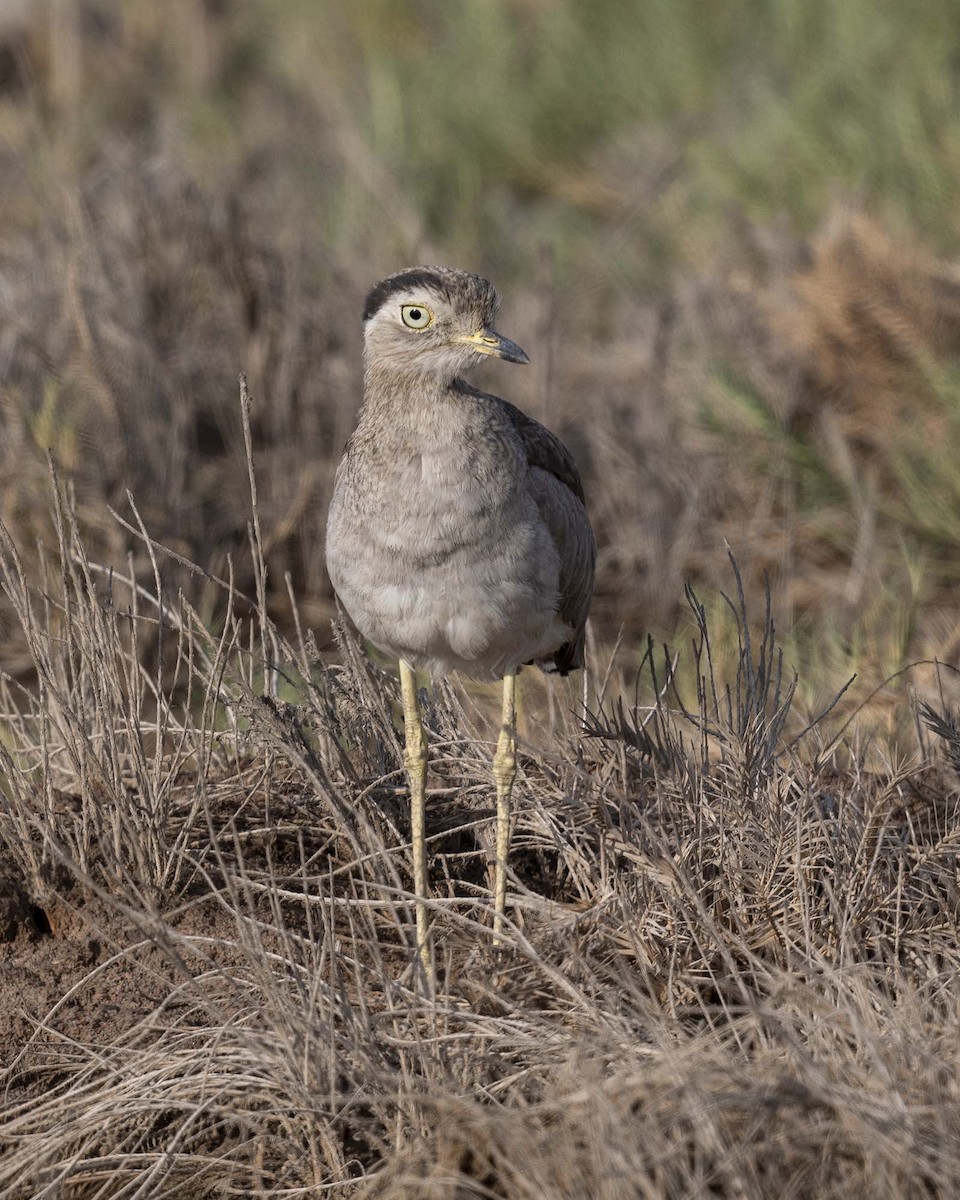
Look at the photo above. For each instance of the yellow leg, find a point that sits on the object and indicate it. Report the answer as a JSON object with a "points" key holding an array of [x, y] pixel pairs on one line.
{"points": [[415, 758], [504, 773]]}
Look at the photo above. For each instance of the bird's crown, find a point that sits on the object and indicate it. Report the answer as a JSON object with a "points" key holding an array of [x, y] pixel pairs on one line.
{"points": [[460, 288]]}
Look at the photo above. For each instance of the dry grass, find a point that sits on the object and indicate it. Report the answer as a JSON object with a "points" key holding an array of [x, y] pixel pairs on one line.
{"points": [[186, 215], [733, 958], [732, 965]]}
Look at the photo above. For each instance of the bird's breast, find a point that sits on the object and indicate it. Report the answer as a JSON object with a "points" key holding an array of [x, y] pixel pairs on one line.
{"points": [[424, 504], [439, 553]]}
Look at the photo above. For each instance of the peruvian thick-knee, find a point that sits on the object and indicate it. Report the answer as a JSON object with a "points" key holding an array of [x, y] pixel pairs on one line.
{"points": [[457, 538]]}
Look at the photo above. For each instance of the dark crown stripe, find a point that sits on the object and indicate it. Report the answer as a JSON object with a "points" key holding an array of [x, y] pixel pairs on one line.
{"points": [[402, 282]]}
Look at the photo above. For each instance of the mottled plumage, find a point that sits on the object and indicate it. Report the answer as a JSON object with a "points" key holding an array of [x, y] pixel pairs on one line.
{"points": [[457, 537]]}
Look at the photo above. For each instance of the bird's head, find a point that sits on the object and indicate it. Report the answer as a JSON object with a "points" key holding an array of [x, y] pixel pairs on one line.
{"points": [[434, 322]]}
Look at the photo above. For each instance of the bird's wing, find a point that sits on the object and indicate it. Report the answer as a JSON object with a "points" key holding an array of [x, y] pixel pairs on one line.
{"points": [[558, 490], [545, 450]]}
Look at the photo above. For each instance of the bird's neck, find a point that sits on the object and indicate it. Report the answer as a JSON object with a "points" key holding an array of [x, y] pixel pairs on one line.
{"points": [[409, 399]]}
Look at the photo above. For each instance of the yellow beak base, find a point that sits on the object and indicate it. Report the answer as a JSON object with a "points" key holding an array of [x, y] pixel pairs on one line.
{"points": [[488, 341]]}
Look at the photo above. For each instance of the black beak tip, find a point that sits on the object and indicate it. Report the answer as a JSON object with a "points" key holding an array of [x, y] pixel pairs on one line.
{"points": [[512, 352]]}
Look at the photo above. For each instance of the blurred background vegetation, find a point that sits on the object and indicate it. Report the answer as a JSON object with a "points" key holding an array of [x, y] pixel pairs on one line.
{"points": [[726, 234]]}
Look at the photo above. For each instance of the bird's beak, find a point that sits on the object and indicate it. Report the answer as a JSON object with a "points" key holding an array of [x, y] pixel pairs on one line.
{"points": [[488, 341]]}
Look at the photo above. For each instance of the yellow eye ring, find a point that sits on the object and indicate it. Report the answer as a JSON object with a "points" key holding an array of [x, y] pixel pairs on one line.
{"points": [[415, 316]]}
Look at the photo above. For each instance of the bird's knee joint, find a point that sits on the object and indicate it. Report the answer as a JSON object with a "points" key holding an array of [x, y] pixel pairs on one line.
{"points": [[504, 768], [415, 755]]}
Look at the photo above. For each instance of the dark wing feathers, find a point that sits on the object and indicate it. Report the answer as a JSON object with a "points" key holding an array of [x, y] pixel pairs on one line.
{"points": [[545, 450], [559, 494]]}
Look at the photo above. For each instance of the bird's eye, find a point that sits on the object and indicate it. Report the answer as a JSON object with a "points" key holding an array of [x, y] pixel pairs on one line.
{"points": [[415, 316]]}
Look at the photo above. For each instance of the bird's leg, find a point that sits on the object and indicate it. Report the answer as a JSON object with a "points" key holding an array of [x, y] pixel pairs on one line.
{"points": [[504, 772], [415, 759]]}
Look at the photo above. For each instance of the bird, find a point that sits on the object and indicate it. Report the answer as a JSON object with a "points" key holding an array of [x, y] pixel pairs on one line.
{"points": [[457, 535]]}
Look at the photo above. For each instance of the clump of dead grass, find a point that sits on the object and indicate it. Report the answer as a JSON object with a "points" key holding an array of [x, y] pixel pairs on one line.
{"points": [[732, 951]]}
